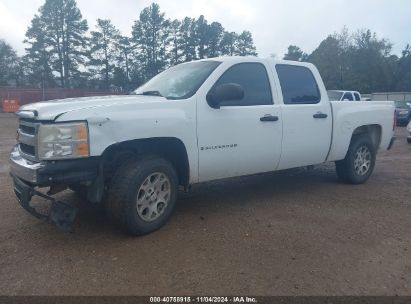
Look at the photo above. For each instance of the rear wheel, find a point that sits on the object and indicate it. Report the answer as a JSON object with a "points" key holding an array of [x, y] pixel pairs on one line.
{"points": [[358, 164], [143, 195]]}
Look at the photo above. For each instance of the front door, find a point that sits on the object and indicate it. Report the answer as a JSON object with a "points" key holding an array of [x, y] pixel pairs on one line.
{"points": [[243, 136]]}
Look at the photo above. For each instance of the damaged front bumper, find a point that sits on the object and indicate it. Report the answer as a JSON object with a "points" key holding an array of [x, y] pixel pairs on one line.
{"points": [[61, 214], [28, 176]]}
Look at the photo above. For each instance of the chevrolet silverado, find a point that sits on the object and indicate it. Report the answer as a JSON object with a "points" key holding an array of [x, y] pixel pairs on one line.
{"points": [[195, 122]]}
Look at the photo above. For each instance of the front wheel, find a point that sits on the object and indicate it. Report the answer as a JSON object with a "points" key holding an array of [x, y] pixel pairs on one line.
{"points": [[143, 195], [358, 164]]}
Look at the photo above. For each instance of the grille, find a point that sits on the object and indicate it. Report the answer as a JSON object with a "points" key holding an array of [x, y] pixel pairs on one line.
{"points": [[27, 139], [26, 149], [28, 130]]}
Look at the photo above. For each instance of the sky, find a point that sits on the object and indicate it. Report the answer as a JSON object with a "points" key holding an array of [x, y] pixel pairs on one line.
{"points": [[275, 24]]}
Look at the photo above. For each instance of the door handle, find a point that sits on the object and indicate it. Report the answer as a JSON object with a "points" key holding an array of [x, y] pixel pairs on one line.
{"points": [[320, 115], [269, 118]]}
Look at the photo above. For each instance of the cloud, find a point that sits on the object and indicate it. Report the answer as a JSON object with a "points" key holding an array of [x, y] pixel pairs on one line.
{"points": [[275, 24], [11, 27]]}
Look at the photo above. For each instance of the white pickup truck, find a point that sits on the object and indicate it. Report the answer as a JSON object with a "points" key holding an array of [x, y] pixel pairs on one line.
{"points": [[334, 95], [193, 123]]}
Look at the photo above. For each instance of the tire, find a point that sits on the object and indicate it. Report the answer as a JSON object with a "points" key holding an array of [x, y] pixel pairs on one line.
{"points": [[79, 190], [142, 195], [359, 163], [409, 140]]}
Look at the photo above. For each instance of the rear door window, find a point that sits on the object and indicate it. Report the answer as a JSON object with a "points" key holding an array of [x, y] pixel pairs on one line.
{"points": [[357, 97], [298, 84]]}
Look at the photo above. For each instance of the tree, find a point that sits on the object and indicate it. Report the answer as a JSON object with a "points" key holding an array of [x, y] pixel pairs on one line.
{"points": [[201, 35], [403, 71], [38, 58], [228, 44], [104, 50], [369, 63], [176, 42], [62, 30], [332, 58], [189, 39], [60, 53], [215, 34], [295, 53], [359, 61], [9, 64], [245, 45], [147, 35], [327, 59], [121, 77]]}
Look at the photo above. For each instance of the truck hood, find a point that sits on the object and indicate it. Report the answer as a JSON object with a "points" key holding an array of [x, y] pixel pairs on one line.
{"points": [[51, 110]]}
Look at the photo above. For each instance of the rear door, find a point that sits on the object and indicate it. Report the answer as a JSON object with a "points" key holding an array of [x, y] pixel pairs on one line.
{"points": [[242, 136], [307, 117]]}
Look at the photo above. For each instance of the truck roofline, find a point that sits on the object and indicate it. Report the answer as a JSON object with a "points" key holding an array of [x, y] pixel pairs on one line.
{"points": [[240, 59]]}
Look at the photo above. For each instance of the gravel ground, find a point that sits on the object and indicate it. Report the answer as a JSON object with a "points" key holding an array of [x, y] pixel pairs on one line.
{"points": [[295, 232]]}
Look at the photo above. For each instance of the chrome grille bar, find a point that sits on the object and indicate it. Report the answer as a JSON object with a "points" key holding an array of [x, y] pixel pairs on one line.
{"points": [[27, 135]]}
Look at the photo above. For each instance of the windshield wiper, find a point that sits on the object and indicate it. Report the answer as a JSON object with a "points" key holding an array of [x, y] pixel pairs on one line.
{"points": [[151, 93]]}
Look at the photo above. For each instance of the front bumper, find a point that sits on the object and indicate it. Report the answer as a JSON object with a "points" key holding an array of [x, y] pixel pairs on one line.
{"points": [[23, 168], [28, 175], [60, 214], [49, 173]]}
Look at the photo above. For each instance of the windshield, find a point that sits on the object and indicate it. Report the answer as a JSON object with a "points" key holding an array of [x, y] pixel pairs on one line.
{"points": [[334, 95], [402, 104], [179, 82]]}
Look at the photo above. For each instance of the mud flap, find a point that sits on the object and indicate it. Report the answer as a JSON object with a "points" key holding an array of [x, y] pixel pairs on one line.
{"points": [[61, 214]]}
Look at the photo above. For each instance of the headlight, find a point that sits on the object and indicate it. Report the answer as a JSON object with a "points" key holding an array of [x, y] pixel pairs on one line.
{"points": [[62, 141], [404, 112]]}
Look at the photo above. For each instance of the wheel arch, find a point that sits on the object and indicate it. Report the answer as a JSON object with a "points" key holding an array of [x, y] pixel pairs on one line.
{"points": [[170, 148], [373, 130], [343, 137]]}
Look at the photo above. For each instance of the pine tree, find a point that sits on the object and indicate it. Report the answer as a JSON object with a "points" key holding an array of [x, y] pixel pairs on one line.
{"points": [[228, 44], [121, 76], [215, 33], [201, 35], [176, 43], [189, 39], [147, 35], [58, 48], [62, 30], [104, 50], [38, 58]]}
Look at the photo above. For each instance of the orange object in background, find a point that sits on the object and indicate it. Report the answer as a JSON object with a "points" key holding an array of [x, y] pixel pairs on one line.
{"points": [[10, 106]]}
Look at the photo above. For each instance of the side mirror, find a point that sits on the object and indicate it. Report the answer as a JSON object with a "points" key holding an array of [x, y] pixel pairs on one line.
{"points": [[224, 92]]}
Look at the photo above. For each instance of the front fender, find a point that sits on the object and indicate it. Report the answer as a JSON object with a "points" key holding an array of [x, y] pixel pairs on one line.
{"points": [[121, 123]]}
